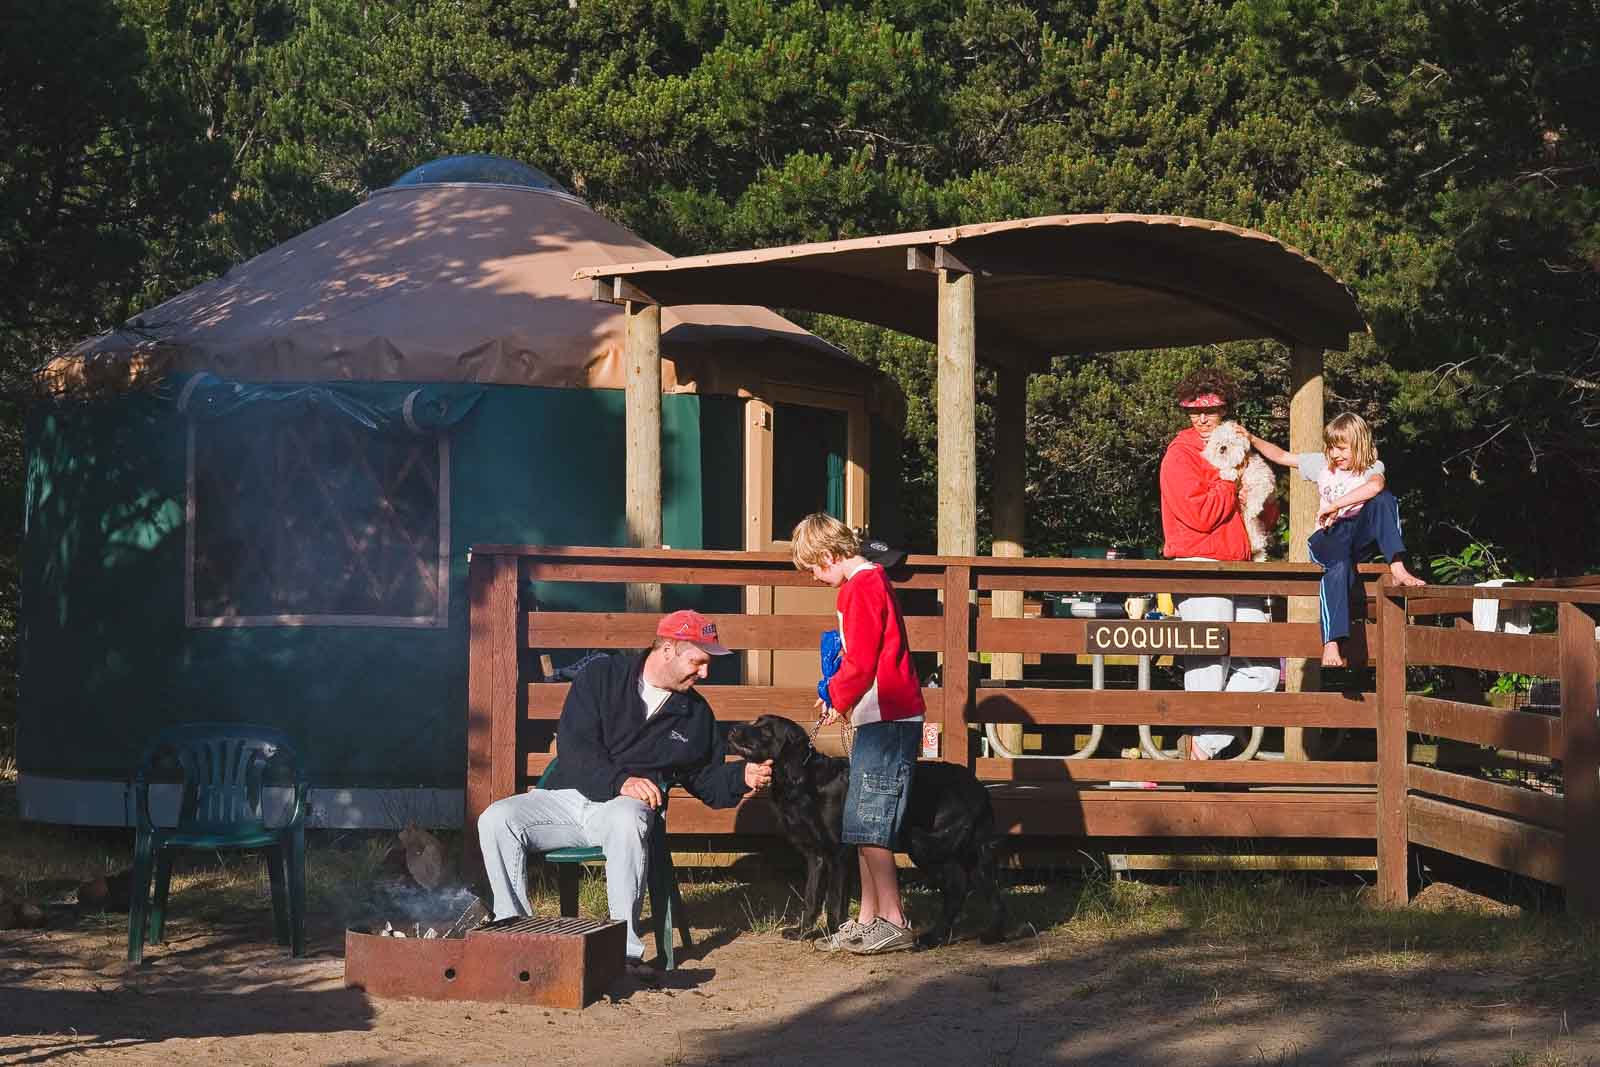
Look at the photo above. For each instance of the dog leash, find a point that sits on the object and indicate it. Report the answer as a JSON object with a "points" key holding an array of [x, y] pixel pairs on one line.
{"points": [[846, 733]]}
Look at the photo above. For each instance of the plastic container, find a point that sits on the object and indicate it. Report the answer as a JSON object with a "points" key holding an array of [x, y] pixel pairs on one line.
{"points": [[1060, 605]]}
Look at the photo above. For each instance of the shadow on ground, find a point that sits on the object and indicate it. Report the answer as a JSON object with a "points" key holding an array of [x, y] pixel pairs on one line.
{"points": [[39, 1024], [1156, 1001]]}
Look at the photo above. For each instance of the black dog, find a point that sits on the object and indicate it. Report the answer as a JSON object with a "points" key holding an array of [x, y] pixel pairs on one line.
{"points": [[948, 830]]}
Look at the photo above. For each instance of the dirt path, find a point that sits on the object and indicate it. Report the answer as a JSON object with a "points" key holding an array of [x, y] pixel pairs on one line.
{"points": [[223, 997]]}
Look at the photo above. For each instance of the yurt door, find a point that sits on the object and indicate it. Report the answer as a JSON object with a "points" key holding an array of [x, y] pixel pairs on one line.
{"points": [[807, 453]]}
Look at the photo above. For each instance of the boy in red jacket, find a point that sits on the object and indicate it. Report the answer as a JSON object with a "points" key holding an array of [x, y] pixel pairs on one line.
{"points": [[879, 689]]}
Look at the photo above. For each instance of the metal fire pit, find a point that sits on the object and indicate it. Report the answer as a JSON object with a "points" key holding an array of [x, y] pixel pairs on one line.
{"points": [[553, 962]]}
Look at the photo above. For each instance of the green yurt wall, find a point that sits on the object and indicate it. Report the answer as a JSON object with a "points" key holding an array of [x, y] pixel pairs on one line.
{"points": [[109, 657]]}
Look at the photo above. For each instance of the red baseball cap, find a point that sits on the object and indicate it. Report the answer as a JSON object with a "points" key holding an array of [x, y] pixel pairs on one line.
{"points": [[691, 626]]}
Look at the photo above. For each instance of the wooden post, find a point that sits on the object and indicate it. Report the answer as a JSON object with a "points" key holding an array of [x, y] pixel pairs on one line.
{"points": [[1393, 754], [958, 489], [1305, 435], [758, 524], [1010, 471], [642, 416], [494, 623], [857, 467], [1580, 765], [958, 426], [957, 691]]}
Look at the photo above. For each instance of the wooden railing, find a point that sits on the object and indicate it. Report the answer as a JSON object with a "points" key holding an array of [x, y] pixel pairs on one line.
{"points": [[512, 712], [1539, 833]]}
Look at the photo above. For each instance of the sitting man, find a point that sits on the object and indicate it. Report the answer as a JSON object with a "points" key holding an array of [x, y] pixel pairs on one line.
{"points": [[630, 728]]}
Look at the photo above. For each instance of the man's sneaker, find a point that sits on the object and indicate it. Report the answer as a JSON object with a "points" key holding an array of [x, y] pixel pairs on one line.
{"points": [[882, 936], [848, 933]]}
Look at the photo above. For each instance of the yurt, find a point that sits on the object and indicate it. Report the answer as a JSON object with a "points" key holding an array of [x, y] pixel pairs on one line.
{"points": [[255, 501]]}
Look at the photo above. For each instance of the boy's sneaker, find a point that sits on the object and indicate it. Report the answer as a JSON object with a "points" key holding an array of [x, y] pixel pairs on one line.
{"points": [[848, 933], [883, 936]]}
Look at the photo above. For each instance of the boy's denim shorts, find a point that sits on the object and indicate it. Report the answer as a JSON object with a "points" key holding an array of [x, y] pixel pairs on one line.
{"points": [[883, 759]]}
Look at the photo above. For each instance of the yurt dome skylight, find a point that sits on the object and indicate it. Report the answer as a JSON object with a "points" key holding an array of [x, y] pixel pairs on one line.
{"points": [[475, 169]]}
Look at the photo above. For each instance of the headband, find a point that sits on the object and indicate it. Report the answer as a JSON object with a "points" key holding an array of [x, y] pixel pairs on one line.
{"points": [[1204, 400]]}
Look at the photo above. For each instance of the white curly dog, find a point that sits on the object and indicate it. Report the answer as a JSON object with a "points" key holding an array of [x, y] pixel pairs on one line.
{"points": [[1228, 450]]}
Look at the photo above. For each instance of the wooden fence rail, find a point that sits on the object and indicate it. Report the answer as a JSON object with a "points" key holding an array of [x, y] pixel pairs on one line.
{"points": [[1538, 833], [1391, 801]]}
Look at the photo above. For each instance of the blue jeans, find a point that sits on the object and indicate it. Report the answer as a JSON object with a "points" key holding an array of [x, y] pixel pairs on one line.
{"points": [[544, 819], [883, 760], [1338, 548]]}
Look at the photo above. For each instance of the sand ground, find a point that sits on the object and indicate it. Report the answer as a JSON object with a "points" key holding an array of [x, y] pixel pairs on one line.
{"points": [[220, 994]]}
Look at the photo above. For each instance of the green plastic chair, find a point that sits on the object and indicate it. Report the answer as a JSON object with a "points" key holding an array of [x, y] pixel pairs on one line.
{"points": [[662, 879], [224, 767]]}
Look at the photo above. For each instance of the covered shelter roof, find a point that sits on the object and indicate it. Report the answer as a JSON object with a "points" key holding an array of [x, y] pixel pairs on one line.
{"points": [[1054, 285], [460, 272], [1018, 293]]}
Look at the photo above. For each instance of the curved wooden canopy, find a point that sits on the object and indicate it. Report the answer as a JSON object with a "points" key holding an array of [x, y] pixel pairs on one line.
{"points": [[1048, 286]]}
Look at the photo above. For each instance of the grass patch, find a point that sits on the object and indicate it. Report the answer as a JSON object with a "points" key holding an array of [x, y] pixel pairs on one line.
{"points": [[1552, 1055], [1335, 924], [1091, 907], [40, 860]]}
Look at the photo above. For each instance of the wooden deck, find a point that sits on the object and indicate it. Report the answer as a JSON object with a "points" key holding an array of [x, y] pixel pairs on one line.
{"points": [[1390, 802]]}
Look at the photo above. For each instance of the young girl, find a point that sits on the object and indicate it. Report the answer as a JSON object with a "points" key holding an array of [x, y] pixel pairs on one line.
{"points": [[1356, 514]]}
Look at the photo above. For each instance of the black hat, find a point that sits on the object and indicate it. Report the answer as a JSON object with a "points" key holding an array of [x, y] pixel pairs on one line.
{"points": [[879, 552]]}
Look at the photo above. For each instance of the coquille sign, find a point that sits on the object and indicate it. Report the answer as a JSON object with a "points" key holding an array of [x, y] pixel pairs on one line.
{"points": [[1159, 637]]}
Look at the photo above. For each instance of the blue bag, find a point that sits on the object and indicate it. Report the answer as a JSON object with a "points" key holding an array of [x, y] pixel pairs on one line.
{"points": [[832, 655]]}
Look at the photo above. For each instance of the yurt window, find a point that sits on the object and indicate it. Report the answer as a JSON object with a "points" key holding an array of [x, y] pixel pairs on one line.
{"points": [[316, 519]]}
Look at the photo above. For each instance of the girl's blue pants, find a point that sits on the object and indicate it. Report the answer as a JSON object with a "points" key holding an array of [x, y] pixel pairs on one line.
{"points": [[1338, 548]]}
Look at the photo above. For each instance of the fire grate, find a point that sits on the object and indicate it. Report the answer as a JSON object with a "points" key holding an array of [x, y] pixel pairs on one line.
{"points": [[544, 924], [546, 960]]}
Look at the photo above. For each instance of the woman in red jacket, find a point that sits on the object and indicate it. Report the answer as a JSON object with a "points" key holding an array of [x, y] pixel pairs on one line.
{"points": [[1201, 520]]}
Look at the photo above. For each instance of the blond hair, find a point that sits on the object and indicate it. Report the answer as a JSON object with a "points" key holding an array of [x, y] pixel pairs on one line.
{"points": [[1352, 430], [819, 536]]}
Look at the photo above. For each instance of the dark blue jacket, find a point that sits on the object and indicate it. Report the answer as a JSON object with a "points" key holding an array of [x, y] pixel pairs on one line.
{"points": [[603, 739]]}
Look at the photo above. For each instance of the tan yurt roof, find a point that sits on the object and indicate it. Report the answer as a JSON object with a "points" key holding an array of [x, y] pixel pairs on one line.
{"points": [[436, 280]]}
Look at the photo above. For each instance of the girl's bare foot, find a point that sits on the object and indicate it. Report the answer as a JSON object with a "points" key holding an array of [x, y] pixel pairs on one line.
{"points": [[1397, 569], [1332, 656]]}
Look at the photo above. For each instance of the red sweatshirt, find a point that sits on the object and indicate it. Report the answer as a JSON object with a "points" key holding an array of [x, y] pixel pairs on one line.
{"points": [[1200, 513], [875, 681]]}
